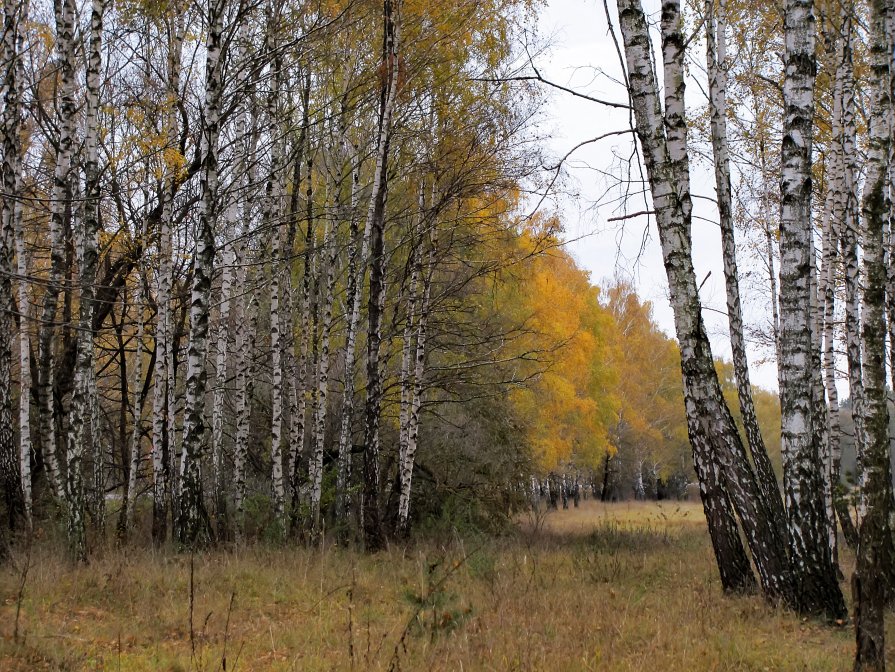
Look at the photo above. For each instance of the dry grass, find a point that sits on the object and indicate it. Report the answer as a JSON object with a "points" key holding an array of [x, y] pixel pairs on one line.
{"points": [[614, 587]]}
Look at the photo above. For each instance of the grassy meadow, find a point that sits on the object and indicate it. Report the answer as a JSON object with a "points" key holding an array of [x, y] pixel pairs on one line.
{"points": [[626, 586]]}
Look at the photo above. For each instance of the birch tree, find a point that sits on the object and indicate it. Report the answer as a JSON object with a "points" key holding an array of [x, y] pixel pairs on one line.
{"points": [[715, 441], [81, 428], [193, 527], [66, 67], [373, 533], [14, 495], [817, 590], [875, 553]]}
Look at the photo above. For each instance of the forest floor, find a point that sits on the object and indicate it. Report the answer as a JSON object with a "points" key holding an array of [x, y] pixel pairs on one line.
{"points": [[604, 587]]}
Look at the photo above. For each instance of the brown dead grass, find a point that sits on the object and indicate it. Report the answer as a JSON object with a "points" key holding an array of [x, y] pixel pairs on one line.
{"points": [[603, 587]]}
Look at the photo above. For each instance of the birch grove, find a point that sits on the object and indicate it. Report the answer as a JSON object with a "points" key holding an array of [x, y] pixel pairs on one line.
{"points": [[216, 207], [291, 272]]}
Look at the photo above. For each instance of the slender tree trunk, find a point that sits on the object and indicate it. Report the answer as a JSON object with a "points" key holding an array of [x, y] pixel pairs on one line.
{"points": [[246, 322], [875, 553], [24, 358], [82, 408], [300, 383], [221, 376], [133, 472], [405, 466], [717, 71], [163, 374], [330, 259], [60, 195], [416, 394], [245, 377], [847, 215], [193, 527], [15, 474], [276, 347], [372, 523], [357, 256]]}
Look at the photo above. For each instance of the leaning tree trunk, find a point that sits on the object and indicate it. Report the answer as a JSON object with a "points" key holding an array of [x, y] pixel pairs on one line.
{"points": [[875, 551], [405, 466], [193, 528], [817, 589], [713, 434], [717, 71]]}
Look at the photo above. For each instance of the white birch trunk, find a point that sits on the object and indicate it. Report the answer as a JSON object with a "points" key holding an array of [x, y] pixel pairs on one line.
{"points": [[60, 195], [356, 263], [276, 347], [876, 553], [719, 455], [245, 377], [81, 407], [406, 374], [817, 589], [408, 456], [221, 373], [193, 528], [372, 524], [137, 406], [24, 359], [331, 252], [163, 373], [272, 222]]}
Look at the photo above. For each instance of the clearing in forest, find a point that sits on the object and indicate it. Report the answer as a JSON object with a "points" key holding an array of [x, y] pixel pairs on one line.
{"points": [[625, 586]]}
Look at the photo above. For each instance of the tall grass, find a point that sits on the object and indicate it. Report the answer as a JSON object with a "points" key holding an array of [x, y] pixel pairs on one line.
{"points": [[603, 587]]}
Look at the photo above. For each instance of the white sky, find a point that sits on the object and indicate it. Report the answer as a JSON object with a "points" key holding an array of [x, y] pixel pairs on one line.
{"points": [[581, 45]]}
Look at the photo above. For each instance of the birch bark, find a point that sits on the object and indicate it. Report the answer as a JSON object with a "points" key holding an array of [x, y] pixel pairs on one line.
{"points": [[193, 528], [357, 255], [330, 259], [408, 456], [81, 406], [11, 472], [221, 377], [130, 499], [724, 472], [163, 373], [875, 554], [817, 589], [60, 195], [834, 243], [372, 523]]}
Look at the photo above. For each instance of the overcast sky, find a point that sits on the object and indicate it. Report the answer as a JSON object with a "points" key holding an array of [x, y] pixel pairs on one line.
{"points": [[583, 57]]}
